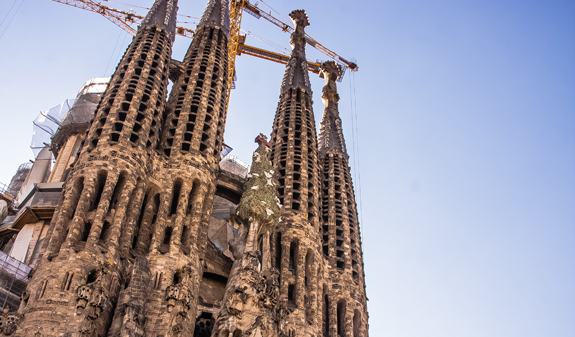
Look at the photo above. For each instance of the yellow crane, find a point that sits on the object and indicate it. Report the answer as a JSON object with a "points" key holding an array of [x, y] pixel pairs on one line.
{"points": [[236, 44]]}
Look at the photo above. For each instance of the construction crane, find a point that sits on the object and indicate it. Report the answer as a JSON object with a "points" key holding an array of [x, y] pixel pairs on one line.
{"points": [[256, 12], [236, 43]]}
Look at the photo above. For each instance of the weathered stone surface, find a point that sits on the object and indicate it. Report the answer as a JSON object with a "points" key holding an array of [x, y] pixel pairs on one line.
{"points": [[133, 249], [344, 296], [251, 298]]}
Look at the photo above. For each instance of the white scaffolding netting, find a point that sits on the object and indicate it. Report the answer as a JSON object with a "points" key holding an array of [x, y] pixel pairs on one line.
{"points": [[234, 165], [46, 125]]}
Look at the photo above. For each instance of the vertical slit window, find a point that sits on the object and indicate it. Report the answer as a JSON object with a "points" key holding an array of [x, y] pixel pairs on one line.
{"points": [[101, 182], [175, 196], [279, 251]]}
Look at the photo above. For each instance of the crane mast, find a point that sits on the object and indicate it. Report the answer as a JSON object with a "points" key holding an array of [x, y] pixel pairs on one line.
{"points": [[236, 9]]}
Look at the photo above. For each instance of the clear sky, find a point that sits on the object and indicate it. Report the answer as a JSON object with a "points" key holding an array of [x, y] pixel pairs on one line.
{"points": [[465, 138]]}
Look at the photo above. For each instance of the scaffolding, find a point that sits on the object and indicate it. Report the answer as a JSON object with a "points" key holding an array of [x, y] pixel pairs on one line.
{"points": [[47, 123], [3, 187], [14, 277], [18, 179], [234, 165]]}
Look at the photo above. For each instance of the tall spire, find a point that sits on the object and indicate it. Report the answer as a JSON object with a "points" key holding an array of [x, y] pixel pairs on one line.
{"points": [[162, 15], [340, 232], [293, 140], [101, 206], [197, 104], [216, 14], [296, 73], [296, 239], [330, 132]]}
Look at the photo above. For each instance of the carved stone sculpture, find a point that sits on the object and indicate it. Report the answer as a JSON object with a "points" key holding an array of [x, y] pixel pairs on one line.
{"points": [[9, 322], [179, 292], [269, 288], [84, 294]]}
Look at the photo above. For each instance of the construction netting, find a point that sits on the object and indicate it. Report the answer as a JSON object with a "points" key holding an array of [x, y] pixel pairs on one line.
{"points": [[19, 178], [46, 125], [234, 165], [71, 111]]}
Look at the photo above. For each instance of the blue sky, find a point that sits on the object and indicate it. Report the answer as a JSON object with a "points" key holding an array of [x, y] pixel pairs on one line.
{"points": [[465, 137]]}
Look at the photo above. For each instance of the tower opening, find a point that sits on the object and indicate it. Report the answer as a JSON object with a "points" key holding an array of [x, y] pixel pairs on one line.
{"points": [[341, 318], [279, 251], [176, 196], [100, 183], [167, 235]]}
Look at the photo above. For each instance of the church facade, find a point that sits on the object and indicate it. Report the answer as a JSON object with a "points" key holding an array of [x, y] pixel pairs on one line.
{"points": [[137, 244]]}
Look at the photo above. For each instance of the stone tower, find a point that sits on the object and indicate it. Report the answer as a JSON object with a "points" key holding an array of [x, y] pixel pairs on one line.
{"points": [[294, 156], [128, 236], [180, 191], [86, 262], [344, 302]]}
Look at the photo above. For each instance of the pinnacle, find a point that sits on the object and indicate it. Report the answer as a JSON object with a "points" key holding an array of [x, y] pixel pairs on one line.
{"points": [[296, 75], [330, 132], [330, 69], [162, 15], [216, 14], [299, 18], [259, 201]]}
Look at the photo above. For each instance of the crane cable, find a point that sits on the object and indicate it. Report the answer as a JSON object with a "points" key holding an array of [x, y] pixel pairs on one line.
{"points": [[272, 44], [113, 52], [9, 22], [146, 8], [266, 41], [125, 4], [120, 48], [355, 149], [280, 14], [14, 3]]}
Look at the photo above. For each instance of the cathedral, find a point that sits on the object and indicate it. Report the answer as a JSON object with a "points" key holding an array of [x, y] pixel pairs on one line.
{"points": [[152, 236]]}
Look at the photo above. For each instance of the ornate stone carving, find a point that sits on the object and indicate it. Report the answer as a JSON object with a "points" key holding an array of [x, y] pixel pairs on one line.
{"points": [[134, 314], [236, 301], [97, 303], [9, 322], [262, 327], [179, 292], [176, 294], [268, 288], [84, 293], [172, 296], [281, 312], [94, 296], [186, 299]]}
